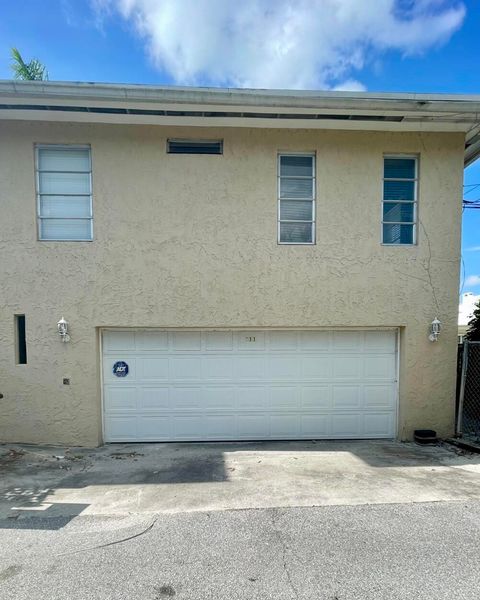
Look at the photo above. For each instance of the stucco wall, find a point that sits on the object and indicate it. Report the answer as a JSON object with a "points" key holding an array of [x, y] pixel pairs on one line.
{"points": [[192, 241]]}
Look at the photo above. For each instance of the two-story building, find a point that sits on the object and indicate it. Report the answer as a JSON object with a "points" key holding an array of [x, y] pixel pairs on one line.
{"points": [[215, 264]]}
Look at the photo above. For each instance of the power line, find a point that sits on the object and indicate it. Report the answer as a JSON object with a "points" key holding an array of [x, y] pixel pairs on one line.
{"points": [[467, 203], [471, 188], [468, 188]]}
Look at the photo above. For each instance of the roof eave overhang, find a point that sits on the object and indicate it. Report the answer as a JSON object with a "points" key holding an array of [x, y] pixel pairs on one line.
{"points": [[208, 107]]}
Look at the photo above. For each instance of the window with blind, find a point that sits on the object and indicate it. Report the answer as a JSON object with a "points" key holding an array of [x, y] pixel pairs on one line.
{"points": [[64, 193], [296, 199], [400, 181]]}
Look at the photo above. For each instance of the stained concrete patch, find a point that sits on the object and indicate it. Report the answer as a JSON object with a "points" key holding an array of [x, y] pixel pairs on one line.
{"points": [[9, 572], [165, 591], [173, 478]]}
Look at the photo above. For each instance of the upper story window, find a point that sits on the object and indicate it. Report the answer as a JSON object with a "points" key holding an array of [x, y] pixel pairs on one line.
{"points": [[64, 193], [296, 199], [400, 182]]}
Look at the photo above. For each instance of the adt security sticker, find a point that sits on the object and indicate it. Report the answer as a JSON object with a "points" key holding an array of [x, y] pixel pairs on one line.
{"points": [[120, 369]]}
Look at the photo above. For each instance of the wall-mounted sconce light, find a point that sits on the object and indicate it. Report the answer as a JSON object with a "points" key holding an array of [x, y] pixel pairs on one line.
{"points": [[62, 327], [435, 328]]}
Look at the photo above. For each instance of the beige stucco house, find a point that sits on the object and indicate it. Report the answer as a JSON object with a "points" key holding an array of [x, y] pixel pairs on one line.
{"points": [[228, 264]]}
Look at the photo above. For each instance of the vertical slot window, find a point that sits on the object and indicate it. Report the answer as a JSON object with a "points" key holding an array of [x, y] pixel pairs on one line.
{"points": [[20, 340]]}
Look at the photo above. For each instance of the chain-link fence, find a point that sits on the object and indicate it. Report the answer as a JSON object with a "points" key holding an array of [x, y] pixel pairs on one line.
{"points": [[468, 390]]}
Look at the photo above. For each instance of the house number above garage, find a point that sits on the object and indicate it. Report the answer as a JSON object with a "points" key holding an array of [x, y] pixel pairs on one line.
{"points": [[120, 369]]}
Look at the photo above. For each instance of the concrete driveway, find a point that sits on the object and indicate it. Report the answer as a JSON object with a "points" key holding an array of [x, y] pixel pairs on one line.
{"points": [[145, 479], [318, 521]]}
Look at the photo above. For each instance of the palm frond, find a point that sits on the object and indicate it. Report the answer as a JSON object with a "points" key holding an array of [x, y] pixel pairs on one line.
{"points": [[32, 71]]}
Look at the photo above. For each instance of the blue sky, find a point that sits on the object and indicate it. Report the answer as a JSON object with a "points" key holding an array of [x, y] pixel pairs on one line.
{"points": [[386, 45]]}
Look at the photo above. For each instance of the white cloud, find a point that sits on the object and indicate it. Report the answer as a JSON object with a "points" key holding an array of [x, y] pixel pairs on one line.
{"points": [[282, 43], [350, 85], [473, 249], [472, 280], [468, 302]]}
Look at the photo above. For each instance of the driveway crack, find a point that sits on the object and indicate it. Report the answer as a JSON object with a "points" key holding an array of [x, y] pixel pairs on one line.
{"points": [[278, 535], [121, 541]]}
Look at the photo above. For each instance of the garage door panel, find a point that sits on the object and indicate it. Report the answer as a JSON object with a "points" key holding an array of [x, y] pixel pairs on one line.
{"points": [[118, 340], [118, 398], [285, 426], [282, 397], [347, 425], [249, 384], [154, 398], [315, 340], [153, 427], [185, 368], [186, 398], [251, 341], [251, 397], [182, 341], [188, 427], [152, 341], [376, 424], [318, 397], [348, 340], [122, 428], [219, 340], [379, 366], [346, 396], [153, 368], [220, 426], [282, 340], [252, 425], [347, 366], [218, 398], [217, 368], [284, 367], [315, 425], [317, 367], [380, 341], [251, 367]]}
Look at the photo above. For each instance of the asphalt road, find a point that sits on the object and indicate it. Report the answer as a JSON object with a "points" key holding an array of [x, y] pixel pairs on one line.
{"points": [[391, 551]]}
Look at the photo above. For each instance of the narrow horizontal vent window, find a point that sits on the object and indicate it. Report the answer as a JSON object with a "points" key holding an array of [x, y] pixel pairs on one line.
{"points": [[194, 147]]}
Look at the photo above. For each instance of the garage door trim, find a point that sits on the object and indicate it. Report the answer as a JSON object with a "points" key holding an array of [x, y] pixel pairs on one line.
{"points": [[393, 329]]}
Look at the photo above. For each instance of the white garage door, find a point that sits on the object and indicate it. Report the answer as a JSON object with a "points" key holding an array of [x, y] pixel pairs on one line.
{"points": [[248, 385]]}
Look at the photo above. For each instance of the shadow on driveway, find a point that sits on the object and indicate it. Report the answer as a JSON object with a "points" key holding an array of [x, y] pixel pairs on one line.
{"points": [[168, 478]]}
